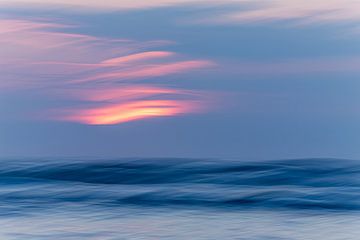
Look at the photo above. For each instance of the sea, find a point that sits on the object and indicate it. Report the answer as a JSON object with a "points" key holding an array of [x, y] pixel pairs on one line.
{"points": [[163, 198]]}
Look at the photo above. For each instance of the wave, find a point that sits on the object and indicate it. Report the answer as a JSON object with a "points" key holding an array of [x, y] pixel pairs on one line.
{"points": [[303, 184]]}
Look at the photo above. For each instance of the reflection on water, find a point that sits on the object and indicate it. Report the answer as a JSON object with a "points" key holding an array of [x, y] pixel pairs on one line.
{"points": [[179, 199]]}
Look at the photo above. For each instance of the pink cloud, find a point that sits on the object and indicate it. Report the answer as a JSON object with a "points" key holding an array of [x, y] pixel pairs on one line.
{"points": [[148, 71], [40, 57], [136, 57], [127, 93], [303, 11]]}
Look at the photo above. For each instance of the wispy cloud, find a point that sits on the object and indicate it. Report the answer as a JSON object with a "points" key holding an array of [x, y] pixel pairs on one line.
{"points": [[320, 11], [301, 11], [136, 57], [146, 71], [105, 5], [96, 73]]}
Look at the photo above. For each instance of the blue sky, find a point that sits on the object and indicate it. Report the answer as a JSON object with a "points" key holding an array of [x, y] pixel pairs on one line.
{"points": [[242, 79]]}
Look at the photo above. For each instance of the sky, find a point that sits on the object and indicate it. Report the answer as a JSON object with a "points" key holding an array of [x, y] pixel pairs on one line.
{"points": [[240, 79]]}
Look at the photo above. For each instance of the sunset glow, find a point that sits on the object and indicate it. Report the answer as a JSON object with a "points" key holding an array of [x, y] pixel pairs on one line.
{"points": [[120, 113]]}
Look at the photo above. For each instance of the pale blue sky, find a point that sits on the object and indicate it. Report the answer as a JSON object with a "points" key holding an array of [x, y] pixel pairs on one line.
{"points": [[278, 89]]}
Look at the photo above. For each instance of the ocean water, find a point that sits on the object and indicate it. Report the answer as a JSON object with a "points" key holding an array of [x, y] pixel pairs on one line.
{"points": [[179, 199]]}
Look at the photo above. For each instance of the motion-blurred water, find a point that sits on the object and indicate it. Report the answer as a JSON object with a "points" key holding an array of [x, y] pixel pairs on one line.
{"points": [[179, 199]]}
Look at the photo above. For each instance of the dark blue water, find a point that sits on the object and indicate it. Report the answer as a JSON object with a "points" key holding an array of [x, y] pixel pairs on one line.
{"points": [[121, 199]]}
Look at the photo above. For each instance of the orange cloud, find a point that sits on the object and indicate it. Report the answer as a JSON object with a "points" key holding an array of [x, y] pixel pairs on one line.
{"points": [[125, 112]]}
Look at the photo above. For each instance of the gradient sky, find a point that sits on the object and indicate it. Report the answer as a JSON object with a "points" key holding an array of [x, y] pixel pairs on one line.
{"points": [[245, 79]]}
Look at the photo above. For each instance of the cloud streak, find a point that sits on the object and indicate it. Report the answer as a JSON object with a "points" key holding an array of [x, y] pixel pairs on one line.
{"points": [[96, 75], [125, 112], [147, 71], [320, 11], [136, 57]]}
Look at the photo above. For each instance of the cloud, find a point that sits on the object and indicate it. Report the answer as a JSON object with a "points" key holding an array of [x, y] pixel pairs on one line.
{"points": [[146, 71], [108, 5], [97, 75], [241, 11], [320, 11], [125, 93], [125, 112], [136, 57]]}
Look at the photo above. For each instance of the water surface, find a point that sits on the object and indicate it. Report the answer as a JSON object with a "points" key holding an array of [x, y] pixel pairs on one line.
{"points": [[179, 199]]}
